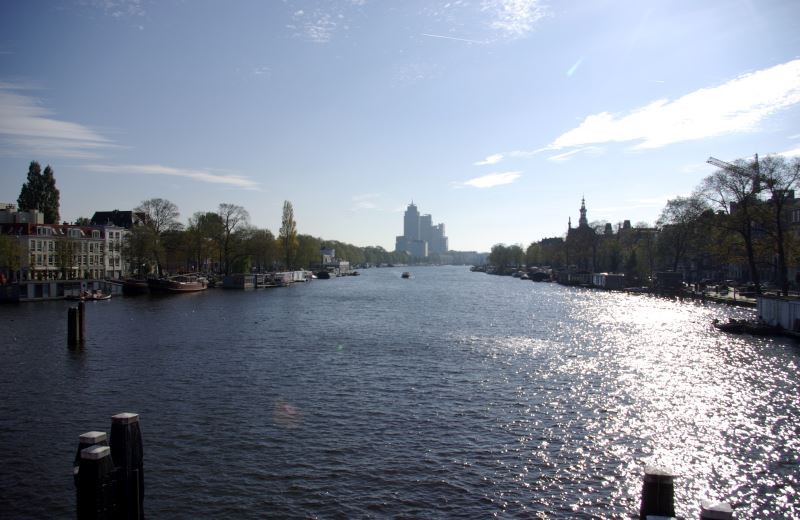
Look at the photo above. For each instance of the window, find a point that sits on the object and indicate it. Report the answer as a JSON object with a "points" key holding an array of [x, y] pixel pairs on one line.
{"points": [[795, 216]]}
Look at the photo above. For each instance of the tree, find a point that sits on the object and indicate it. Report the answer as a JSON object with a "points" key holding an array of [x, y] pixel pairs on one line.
{"points": [[203, 237], [500, 257], [83, 221], [780, 179], [287, 237], [40, 193], [734, 191], [308, 251], [262, 247], [11, 254], [66, 256], [160, 216], [678, 224], [232, 218], [137, 250]]}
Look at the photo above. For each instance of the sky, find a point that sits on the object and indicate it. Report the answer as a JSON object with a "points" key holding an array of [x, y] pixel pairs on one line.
{"points": [[494, 116]]}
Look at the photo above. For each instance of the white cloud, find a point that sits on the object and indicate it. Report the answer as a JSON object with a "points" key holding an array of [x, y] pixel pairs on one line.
{"points": [[568, 155], [791, 153], [493, 179], [157, 169], [528, 153], [736, 106], [28, 128], [492, 159], [318, 26], [514, 18], [364, 201], [118, 8]]}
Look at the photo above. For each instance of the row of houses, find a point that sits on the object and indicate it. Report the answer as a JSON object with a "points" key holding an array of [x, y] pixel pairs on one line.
{"points": [[39, 251]]}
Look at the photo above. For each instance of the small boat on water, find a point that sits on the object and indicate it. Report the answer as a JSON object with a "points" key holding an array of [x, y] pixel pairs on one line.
{"points": [[405, 274], [178, 284], [89, 296], [132, 286], [734, 326]]}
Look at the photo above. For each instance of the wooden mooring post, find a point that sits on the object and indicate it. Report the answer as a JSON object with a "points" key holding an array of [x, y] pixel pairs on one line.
{"points": [[126, 450], [658, 493], [110, 473], [658, 498], [96, 485], [715, 510], [76, 324]]}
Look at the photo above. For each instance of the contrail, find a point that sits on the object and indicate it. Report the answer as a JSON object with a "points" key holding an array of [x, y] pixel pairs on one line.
{"points": [[451, 38]]}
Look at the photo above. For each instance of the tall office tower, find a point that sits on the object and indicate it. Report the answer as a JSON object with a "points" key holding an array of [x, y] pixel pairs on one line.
{"points": [[411, 223], [438, 240], [426, 229]]}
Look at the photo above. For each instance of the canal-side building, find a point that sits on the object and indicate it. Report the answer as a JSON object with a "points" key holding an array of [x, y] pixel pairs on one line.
{"points": [[40, 251]]}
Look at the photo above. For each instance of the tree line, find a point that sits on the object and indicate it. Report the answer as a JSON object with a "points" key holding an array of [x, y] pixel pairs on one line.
{"points": [[740, 215], [225, 242]]}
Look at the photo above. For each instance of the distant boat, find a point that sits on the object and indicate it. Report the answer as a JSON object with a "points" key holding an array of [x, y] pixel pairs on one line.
{"points": [[87, 296], [405, 274], [323, 275], [131, 286], [178, 284]]}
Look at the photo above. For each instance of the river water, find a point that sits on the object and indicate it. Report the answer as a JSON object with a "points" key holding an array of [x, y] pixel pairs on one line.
{"points": [[452, 394]]}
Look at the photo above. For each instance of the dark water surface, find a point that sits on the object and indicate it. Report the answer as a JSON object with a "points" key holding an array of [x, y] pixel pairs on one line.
{"points": [[453, 394]]}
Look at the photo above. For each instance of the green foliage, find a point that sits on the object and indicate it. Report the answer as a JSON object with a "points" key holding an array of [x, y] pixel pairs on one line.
{"points": [[308, 251], [287, 236], [39, 192], [10, 255]]}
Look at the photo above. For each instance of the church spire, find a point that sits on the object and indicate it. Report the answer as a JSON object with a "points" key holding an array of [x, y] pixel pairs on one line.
{"points": [[583, 222]]}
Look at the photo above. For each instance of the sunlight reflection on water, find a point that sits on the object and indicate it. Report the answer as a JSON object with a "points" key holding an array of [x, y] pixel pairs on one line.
{"points": [[452, 394]]}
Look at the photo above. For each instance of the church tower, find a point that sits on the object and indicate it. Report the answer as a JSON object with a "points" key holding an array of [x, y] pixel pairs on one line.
{"points": [[583, 222]]}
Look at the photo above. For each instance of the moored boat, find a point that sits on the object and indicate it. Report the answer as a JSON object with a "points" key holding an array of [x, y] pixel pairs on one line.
{"points": [[178, 284], [131, 286], [88, 296]]}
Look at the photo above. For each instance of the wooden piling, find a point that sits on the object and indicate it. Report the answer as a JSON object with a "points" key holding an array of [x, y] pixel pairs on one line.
{"points": [[73, 327], [82, 321], [96, 484], [715, 510], [127, 452], [87, 440], [658, 493]]}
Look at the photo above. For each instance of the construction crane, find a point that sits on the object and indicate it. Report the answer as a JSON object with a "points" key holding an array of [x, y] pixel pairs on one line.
{"points": [[755, 172]]}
